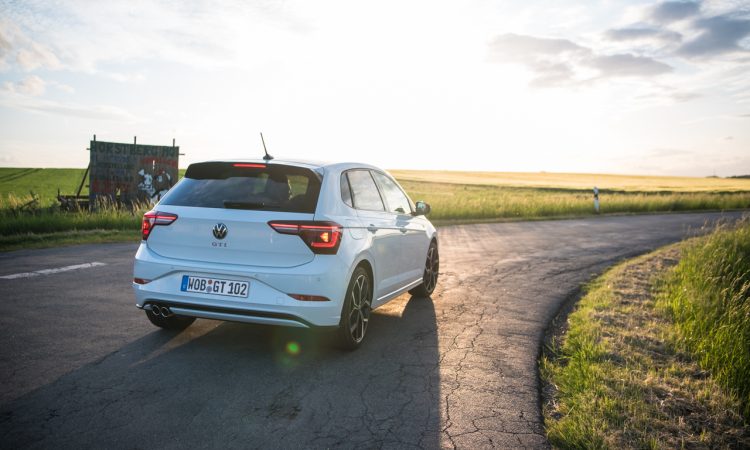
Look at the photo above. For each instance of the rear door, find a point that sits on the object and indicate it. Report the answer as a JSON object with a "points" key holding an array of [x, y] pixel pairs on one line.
{"points": [[371, 211], [223, 212]]}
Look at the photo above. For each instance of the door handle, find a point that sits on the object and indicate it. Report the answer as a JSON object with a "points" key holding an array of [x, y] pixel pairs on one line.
{"points": [[372, 228]]}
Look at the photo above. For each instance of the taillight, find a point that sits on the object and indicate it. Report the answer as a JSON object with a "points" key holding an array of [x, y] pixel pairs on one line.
{"points": [[154, 218], [249, 165], [323, 238]]}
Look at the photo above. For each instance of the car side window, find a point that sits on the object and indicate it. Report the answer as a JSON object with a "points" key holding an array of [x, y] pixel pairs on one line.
{"points": [[346, 192], [394, 196], [364, 193]]}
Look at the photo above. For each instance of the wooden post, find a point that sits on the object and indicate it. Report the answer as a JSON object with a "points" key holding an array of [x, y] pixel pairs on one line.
{"points": [[83, 180]]}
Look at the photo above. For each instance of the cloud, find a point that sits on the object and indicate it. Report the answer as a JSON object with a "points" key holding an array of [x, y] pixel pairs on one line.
{"points": [[31, 85], [643, 34], [5, 46], [34, 56], [626, 65], [658, 94], [718, 35], [563, 62], [87, 36], [21, 96], [681, 97], [16, 47], [62, 86], [99, 112], [519, 46], [667, 12]]}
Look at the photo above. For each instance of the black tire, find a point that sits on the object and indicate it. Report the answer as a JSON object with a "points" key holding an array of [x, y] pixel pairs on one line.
{"points": [[431, 270], [171, 322], [355, 314]]}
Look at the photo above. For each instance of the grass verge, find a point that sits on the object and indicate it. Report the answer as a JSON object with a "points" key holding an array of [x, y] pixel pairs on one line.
{"points": [[707, 297], [622, 377], [64, 238], [50, 227]]}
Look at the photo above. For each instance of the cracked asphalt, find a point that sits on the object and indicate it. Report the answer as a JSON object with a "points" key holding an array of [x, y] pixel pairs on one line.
{"points": [[81, 367]]}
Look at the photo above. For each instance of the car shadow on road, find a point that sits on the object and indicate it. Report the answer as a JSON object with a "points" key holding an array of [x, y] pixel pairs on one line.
{"points": [[241, 385]]}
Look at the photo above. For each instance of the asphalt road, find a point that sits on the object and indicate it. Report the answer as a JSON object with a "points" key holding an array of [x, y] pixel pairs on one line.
{"points": [[81, 367]]}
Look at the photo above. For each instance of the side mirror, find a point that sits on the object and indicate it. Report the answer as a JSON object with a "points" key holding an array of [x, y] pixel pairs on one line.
{"points": [[422, 208]]}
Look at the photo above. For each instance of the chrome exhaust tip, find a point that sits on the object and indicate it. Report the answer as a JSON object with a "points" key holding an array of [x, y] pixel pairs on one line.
{"points": [[156, 310], [165, 312]]}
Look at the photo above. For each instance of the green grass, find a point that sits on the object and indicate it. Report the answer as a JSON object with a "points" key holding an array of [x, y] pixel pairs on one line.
{"points": [[48, 226], [623, 376], [708, 297], [455, 197], [52, 221], [43, 182]]}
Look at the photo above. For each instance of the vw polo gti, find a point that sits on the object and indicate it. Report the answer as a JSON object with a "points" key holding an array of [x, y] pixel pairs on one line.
{"points": [[283, 243]]}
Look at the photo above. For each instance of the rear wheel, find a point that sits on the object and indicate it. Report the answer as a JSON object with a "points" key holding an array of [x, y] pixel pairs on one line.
{"points": [[430, 277], [170, 322], [355, 315]]}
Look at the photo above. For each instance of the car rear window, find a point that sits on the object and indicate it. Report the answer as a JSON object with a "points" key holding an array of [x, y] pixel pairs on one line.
{"points": [[263, 187]]}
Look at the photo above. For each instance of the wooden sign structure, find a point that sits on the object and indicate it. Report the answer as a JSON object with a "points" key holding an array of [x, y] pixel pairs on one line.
{"points": [[129, 173]]}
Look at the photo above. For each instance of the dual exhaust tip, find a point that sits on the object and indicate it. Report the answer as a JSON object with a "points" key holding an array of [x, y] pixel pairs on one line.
{"points": [[162, 311]]}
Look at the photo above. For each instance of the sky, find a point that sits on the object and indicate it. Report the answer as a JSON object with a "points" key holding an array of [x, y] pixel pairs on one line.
{"points": [[629, 87]]}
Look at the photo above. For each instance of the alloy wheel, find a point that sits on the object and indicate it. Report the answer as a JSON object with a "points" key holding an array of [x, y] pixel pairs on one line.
{"points": [[361, 303], [431, 270]]}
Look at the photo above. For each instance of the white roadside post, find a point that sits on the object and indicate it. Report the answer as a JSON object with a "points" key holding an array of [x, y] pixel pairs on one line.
{"points": [[596, 199]]}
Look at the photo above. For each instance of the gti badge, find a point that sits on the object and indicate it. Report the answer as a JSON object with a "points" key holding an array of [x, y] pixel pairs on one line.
{"points": [[220, 231]]}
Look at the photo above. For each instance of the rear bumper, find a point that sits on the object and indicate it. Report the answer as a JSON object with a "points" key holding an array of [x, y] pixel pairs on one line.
{"points": [[268, 301], [203, 311]]}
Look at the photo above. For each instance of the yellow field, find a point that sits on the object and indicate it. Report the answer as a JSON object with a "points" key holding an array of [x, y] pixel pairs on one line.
{"points": [[578, 181]]}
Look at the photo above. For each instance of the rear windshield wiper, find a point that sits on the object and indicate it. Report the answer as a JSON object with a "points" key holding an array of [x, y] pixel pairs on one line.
{"points": [[249, 205]]}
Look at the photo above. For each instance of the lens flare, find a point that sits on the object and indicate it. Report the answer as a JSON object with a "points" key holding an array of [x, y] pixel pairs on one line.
{"points": [[292, 348]]}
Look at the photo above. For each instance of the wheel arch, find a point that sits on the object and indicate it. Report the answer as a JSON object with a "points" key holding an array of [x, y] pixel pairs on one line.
{"points": [[367, 265]]}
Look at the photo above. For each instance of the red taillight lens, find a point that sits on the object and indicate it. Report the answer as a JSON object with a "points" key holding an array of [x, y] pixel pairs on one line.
{"points": [[141, 281], [154, 218], [250, 165], [309, 298], [323, 238]]}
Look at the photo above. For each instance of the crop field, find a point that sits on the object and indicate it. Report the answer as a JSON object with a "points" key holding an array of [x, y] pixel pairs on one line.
{"points": [[453, 203], [455, 197], [577, 181]]}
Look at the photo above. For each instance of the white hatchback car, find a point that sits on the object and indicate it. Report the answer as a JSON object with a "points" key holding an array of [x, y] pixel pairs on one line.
{"points": [[283, 243]]}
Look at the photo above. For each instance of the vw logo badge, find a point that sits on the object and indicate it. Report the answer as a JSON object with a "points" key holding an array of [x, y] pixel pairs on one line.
{"points": [[220, 231]]}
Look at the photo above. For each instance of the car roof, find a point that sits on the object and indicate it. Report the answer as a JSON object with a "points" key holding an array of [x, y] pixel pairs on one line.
{"points": [[300, 163]]}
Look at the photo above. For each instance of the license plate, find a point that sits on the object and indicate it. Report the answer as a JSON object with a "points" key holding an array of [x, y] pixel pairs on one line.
{"points": [[215, 286]]}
